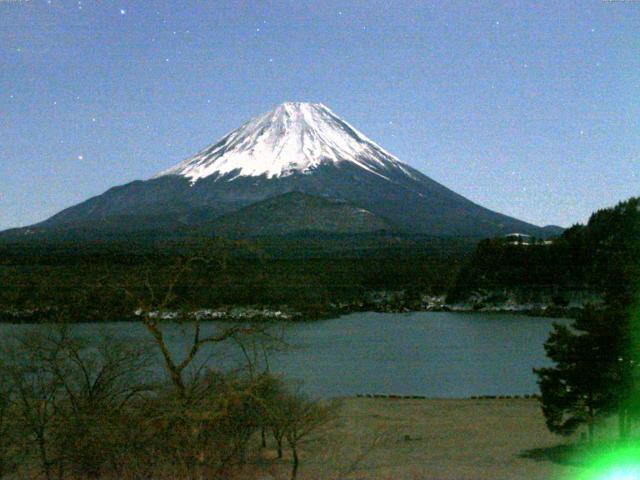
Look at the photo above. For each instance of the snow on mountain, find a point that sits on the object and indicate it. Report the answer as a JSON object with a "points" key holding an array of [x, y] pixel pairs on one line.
{"points": [[297, 147], [293, 137]]}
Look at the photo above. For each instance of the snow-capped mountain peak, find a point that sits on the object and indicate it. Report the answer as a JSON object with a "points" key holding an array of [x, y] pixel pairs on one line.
{"points": [[297, 168], [294, 137]]}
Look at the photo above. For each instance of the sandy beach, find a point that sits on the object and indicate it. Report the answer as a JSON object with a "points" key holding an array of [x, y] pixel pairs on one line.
{"points": [[435, 439]]}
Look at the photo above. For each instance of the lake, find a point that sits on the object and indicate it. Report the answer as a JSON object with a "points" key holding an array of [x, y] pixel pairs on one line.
{"points": [[447, 355]]}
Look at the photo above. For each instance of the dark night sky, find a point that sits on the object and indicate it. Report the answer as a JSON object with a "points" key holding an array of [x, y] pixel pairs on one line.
{"points": [[528, 108]]}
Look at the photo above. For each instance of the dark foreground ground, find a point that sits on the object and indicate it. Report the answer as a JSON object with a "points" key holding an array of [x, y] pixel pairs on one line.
{"points": [[435, 439]]}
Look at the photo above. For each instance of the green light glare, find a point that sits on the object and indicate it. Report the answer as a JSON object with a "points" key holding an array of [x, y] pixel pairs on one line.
{"points": [[621, 463]]}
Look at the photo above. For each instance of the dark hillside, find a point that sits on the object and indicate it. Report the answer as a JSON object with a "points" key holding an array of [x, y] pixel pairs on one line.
{"points": [[583, 258]]}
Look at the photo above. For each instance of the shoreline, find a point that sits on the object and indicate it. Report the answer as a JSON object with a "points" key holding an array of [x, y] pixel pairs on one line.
{"points": [[382, 396], [258, 314]]}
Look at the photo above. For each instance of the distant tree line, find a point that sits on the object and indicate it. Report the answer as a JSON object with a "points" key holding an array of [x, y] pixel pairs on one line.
{"points": [[583, 257], [307, 274]]}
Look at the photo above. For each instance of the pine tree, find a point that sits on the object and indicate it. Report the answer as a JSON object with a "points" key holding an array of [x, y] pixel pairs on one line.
{"points": [[596, 358]]}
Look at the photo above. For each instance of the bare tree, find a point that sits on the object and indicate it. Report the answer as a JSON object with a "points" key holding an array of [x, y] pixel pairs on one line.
{"points": [[69, 395], [35, 394], [301, 418], [8, 434], [160, 303], [256, 349]]}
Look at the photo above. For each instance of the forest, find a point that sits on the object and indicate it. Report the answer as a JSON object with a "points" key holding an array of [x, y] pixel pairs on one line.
{"points": [[583, 258], [304, 274], [309, 275]]}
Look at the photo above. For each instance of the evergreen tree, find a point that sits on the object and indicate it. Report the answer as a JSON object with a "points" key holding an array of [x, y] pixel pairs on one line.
{"points": [[577, 389], [597, 358]]}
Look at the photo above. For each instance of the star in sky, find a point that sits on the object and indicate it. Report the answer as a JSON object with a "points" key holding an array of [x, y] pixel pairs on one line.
{"points": [[508, 57]]}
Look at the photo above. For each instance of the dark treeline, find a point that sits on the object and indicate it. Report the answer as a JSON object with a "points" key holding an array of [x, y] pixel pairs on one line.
{"points": [[584, 257], [304, 273], [308, 274]]}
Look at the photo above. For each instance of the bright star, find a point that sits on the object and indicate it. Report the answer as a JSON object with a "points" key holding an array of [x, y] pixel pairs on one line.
{"points": [[80, 157], [122, 11]]}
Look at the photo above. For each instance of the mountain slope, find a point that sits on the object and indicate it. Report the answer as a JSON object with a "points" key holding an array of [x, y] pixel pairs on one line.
{"points": [[295, 212], [297, 147]]}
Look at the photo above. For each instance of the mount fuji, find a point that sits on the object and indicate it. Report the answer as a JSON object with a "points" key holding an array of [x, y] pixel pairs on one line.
{"points": [[298, 167]]}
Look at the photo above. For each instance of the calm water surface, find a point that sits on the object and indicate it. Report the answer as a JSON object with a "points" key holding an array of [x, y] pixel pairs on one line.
{"points": [[423, 353]]}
